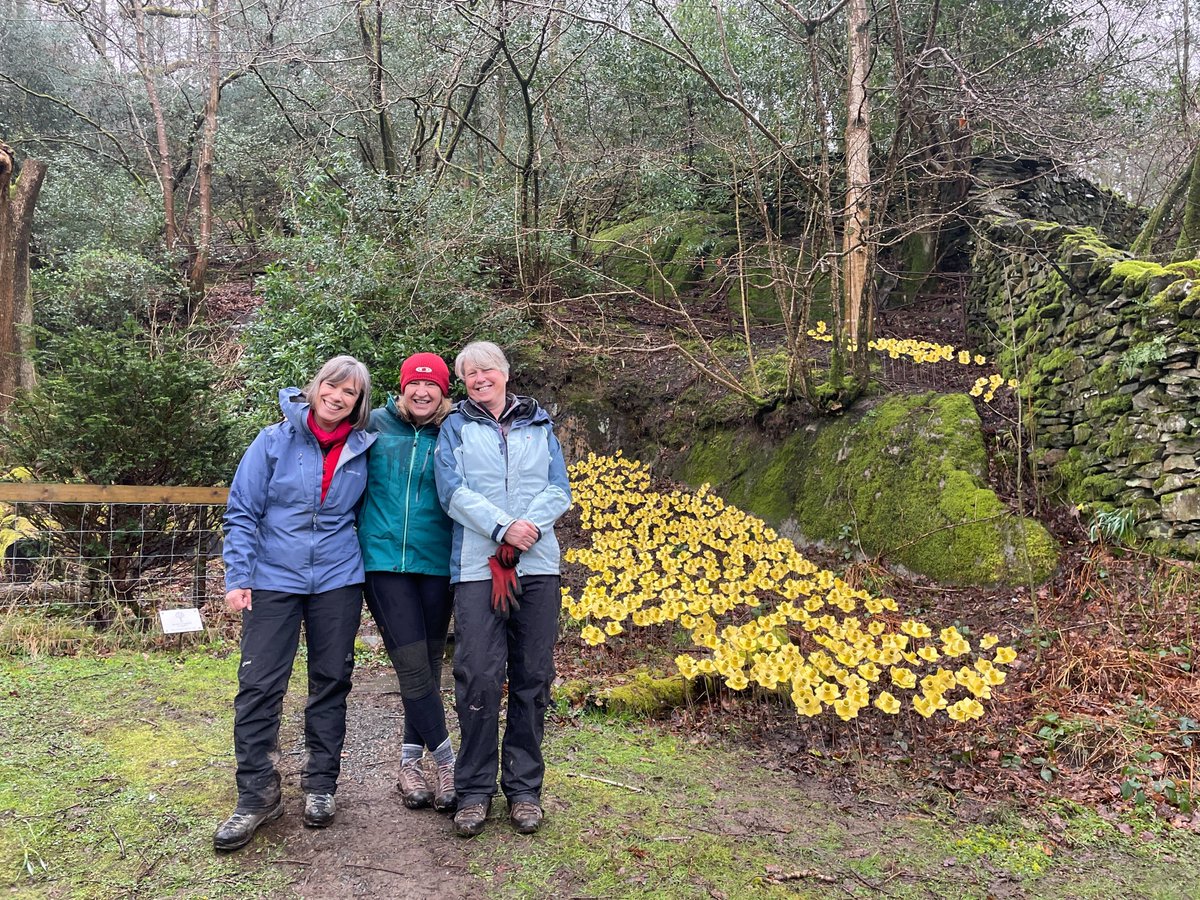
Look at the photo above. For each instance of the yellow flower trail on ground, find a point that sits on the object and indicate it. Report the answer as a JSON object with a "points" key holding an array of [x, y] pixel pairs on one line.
{"points": [[919, 351], [756, 611]]}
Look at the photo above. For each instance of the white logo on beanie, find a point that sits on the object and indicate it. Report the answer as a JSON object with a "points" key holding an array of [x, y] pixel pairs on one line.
{"points": [[425, 370]]}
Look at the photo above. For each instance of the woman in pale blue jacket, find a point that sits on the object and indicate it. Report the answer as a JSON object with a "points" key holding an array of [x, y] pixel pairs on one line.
{"points": [[291, 555], [502, 479]]}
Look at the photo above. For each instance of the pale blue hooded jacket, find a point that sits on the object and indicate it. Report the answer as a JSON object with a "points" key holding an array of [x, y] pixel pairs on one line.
{"points": [[489, 474], [279, 536]]}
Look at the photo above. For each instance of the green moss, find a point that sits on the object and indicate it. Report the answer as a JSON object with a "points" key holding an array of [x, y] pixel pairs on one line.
{"points": [[1120, 438], [644, 695], [906, 477], [1132, 275], [663, 254]]}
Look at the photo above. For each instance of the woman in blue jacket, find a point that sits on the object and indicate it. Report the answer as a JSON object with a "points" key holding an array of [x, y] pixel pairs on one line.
{"points": [[405, 540], [502, 479], [291, 556]]}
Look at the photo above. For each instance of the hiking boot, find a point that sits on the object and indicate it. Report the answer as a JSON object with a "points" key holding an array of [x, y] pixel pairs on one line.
{"points": [[236, 831], [414, 786], [526, 817], [318, 810], [445, 799], [469, 820]]}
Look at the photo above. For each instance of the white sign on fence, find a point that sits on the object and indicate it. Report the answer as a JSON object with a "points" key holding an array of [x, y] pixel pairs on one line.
{"points": [[176, 621]]}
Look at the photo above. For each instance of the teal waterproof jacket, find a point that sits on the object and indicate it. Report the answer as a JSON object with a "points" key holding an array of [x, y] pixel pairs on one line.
{"points": [[401, 526]]}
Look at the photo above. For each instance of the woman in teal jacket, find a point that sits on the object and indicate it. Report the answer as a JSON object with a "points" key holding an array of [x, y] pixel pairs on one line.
{"points": [[405, 538]]}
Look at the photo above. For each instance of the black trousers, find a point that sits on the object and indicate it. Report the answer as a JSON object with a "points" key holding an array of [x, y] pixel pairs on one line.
{"points": [[413, 615], [487, 651], [270, 637]]}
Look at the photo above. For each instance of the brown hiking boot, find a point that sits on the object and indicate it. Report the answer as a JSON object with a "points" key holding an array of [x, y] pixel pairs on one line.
{"points": [[413, 786], [444, 797], [526, 817], [469, 820]]}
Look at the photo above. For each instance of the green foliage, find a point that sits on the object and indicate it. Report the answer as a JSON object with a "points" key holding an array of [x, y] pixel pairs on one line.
{"points": [[348, 280], [101, 289], [123, 407], [1140, 355], [84, 205]]}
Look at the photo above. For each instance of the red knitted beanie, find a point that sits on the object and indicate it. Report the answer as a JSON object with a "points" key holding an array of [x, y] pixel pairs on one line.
{"points": [[426, 367]]}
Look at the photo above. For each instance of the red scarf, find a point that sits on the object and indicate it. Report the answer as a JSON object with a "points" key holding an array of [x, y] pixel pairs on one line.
{"points": [[331, 443]]}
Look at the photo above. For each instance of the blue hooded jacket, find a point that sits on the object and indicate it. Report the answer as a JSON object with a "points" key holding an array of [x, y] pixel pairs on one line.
{"points": [[279, 536], [489, 474]]}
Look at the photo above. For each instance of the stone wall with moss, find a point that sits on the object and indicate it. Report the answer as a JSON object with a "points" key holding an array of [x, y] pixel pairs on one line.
{"points": [[1107, 348]]}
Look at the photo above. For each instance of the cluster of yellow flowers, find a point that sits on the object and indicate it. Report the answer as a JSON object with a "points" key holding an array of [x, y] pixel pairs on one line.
{"points": [[987, 387], [927, 352], [756, 611]]}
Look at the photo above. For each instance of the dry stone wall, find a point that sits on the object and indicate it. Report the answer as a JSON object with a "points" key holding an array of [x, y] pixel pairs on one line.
{"points": [[1106, 347]]}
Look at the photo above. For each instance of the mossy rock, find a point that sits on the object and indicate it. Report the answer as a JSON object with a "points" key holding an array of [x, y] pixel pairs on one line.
{"points": [[640, 693], [665, 254], [904, 480], [688, 253]]}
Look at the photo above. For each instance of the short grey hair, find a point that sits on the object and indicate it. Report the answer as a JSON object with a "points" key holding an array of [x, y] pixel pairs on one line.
{"points": [[338, 370], [482, 355]]}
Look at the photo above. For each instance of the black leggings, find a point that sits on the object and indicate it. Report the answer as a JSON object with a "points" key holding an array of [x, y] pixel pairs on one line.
{"points": [[413, 615]]}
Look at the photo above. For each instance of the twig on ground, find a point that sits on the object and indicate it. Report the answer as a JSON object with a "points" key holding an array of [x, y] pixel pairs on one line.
{"points": [[120, 843], [628, 787], [374, 868], [802, 875]]}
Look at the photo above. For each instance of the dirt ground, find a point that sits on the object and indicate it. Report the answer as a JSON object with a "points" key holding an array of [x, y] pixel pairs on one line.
{"points": [[376, 847]]}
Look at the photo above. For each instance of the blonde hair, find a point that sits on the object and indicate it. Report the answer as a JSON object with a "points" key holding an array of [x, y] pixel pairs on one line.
{"points": [[482, 354], [337, 370], [439, 414]]}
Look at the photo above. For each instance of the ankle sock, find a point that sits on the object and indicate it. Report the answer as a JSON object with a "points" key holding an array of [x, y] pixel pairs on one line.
{"points": [[444, 753], [410, 753]]}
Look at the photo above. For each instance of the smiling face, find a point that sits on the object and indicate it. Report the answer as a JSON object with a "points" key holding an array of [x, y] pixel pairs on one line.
{"points": [[422, 398], [487, 387], [334, 402]]}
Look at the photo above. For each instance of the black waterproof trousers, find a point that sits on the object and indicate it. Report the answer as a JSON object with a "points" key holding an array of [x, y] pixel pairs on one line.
{"points": [[270, 637], [487, 650]]}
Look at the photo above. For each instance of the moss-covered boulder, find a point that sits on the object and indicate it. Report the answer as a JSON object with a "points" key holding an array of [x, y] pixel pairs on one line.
{"points": [[903, 480], [664, 254], [692, 253]]}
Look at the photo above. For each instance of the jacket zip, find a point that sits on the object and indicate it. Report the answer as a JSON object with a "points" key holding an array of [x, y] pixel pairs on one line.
{"points": [[412, 458]]}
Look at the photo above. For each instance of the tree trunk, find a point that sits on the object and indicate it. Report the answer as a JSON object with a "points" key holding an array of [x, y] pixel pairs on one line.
{"points": [[372, 41], [16, 307], [1189, 234], [199, 268], [1160, 215], [858, 168], [166, 175]]}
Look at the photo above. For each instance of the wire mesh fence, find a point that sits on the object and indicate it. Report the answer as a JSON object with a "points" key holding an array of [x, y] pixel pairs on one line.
{"points": [[107, 558]]}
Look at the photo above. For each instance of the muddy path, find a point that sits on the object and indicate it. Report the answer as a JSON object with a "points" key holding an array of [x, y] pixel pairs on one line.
{"points": [[376, 847]]}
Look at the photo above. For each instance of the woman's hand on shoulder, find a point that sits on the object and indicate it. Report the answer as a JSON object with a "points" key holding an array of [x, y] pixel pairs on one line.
{"points": [[238, 599]]}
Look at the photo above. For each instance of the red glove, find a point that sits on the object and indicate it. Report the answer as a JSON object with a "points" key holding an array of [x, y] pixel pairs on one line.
{"points": [[506, 586]]}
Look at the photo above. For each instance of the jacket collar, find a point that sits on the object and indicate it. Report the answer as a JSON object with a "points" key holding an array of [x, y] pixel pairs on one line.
{"points": [[517, 411]]}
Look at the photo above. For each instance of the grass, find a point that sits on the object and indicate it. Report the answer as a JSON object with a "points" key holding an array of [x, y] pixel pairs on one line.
{"points": [[710, 821], [113, 771]]}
